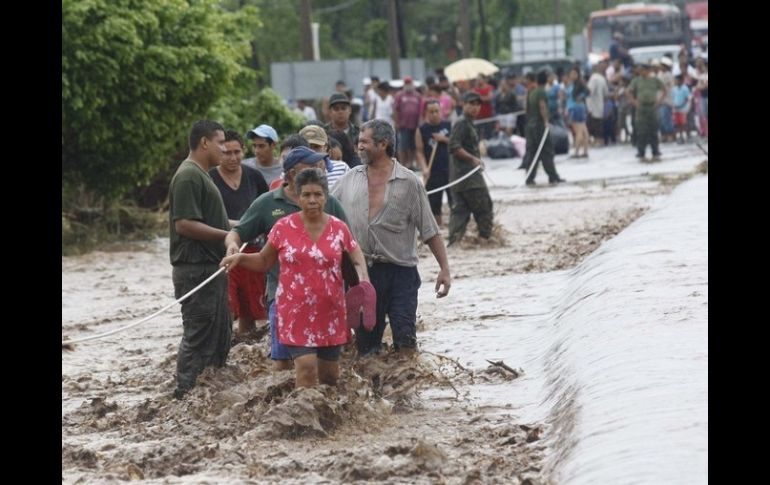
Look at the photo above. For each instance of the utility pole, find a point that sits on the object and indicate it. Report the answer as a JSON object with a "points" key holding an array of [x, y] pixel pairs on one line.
{"points": [[305, 30], [395, 71], [484, 39], [400, 26], [465, 28]]}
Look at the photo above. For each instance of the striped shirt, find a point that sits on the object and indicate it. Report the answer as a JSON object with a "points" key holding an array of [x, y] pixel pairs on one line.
{"points": [[390, 236], [340, 169]]}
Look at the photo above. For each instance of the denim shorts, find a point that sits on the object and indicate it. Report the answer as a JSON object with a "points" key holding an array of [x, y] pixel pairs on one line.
{"points": [[578, 113], [324, 353], [278, 351]]}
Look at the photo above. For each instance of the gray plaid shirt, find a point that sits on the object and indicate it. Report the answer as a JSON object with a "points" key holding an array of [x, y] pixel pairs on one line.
{"points": [[390, 236]]}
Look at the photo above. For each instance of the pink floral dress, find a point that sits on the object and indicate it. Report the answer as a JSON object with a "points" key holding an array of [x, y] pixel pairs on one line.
{"points": [[310, 299]]}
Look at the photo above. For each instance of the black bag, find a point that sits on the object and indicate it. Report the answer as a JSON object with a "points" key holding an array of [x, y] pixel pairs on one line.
{"points": [[560, 139], [501, 147]]}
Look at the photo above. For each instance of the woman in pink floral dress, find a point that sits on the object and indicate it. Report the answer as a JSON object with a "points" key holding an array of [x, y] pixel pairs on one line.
{"points": [[310, 300]]}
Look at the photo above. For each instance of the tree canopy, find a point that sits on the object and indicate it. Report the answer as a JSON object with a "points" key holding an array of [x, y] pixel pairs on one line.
{"points": [[135, 75]]}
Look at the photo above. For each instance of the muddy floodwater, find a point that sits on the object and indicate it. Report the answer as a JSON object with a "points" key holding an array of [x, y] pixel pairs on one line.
{"points": [[392, 419]]}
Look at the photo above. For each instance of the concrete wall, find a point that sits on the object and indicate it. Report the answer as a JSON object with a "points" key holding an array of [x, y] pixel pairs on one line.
{"points": [[315, 79]]}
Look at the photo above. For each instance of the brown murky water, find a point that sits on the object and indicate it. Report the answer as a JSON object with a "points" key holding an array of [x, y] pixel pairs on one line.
{"points": [[392, 419]]}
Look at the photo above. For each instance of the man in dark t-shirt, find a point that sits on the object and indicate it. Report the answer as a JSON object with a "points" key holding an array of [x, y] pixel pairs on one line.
{"points": [[198, 226], [537, 120], [432, 138]]}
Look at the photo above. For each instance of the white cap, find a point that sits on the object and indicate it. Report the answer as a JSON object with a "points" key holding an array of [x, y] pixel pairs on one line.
{"points": [[367, 81]]}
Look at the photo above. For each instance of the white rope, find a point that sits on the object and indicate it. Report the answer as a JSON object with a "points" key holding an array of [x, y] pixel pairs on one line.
{"points": [[497, 117], [531, 167], [535, 160], [476, 169], [180, 300]]}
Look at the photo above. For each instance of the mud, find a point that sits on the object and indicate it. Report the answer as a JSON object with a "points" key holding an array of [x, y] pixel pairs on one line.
{"points": [[391, 419]]}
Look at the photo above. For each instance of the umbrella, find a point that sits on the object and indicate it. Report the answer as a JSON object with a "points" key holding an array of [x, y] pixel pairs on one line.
{"points": [[465, 69]]}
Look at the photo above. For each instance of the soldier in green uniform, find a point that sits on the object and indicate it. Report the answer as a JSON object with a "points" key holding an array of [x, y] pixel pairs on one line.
{"points": [[471, 196], [537, 120], [646, 92]]}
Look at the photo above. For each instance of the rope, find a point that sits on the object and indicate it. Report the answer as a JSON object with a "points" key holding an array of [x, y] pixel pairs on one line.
{"points": [[180, 300], [536, 158], [476, 169], [497, 117]]}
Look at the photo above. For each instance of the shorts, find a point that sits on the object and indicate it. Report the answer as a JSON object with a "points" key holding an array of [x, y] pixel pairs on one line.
{"points": [[680, 118], [278, 351], [246, 291], [331, 353], [406, 139], [578, 113]]}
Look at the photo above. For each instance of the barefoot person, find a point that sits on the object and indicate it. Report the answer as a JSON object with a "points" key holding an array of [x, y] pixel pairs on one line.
{"points": [[310, 299]]}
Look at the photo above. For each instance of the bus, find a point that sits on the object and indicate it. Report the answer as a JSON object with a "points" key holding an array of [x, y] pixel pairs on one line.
{"points": [[641, 24]]}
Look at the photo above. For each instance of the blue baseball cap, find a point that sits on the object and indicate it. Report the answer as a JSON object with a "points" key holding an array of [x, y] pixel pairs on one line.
{"points": [[263, 131], [305, 155]]}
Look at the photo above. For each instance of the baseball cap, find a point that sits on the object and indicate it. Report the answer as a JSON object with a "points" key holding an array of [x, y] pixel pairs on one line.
{"points": [[303, 155], [314, 134], [337, 98], [471, 96], [408, 79], [263, 131]]}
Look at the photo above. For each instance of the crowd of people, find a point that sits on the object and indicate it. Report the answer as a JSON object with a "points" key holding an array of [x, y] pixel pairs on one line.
{"points": [[348, 185]]}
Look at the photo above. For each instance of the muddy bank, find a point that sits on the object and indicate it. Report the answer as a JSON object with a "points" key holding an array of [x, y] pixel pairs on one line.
{"points": [[391, 420]]}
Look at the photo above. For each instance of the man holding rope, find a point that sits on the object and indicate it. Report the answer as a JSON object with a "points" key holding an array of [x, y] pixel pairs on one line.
{"points": [[537, 120], [471, 195], [198, 225], [431, 140]]}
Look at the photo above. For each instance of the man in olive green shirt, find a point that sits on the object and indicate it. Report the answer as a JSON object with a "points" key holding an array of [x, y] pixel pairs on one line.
{"points": [[537, 120], [471, 196], [646, 92], [198, 225]]}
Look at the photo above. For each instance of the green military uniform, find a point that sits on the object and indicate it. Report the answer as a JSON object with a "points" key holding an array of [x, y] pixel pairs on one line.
{"points": [[471, 196], [352, 132], [645, 90], [534, 133], [205, 314]]}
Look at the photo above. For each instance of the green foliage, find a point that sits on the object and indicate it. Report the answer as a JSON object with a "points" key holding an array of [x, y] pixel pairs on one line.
{"points": [[135, 75], [243, 112]]}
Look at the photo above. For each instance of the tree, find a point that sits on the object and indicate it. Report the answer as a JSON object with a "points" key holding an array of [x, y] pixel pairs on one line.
{"points": [[135, 75]]}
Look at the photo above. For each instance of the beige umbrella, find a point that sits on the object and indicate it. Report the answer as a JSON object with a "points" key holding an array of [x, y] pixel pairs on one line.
{"points": [[465, 69]]}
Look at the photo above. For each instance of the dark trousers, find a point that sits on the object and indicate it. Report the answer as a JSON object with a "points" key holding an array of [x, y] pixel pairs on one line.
{"points": [[534, 135], [206, 320], [438, 179], [396, 288], [646, 130], [472, 201]]}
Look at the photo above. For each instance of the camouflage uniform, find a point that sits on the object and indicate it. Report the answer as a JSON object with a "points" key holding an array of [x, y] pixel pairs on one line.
{"points": [[645, 90], [471, 196], [352, 132], [535, 130]]}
